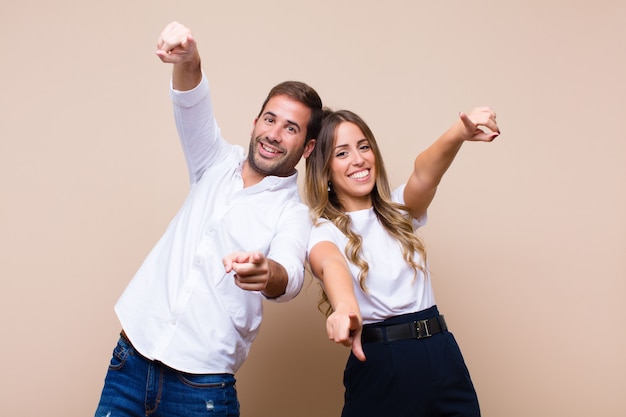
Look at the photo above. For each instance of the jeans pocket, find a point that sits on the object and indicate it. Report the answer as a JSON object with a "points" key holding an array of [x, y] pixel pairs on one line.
{"points": [[206, 381], [216, 391], [120, 353]]}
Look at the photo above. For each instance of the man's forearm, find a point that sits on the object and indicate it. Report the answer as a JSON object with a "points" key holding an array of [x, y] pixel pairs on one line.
{"points": [[277, 283], [187, 75]]}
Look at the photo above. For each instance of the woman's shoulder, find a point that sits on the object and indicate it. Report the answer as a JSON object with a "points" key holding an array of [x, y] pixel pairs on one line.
{"points": [[397, 195], [324, 230]]}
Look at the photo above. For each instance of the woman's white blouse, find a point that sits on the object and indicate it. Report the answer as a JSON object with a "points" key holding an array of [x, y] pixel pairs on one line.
{"points": [[392, 288]]}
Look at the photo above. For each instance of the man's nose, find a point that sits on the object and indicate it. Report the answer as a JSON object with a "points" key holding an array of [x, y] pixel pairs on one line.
{"points": [[275, 133]]}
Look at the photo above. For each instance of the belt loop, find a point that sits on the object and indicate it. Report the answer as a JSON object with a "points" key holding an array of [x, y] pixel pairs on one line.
{"points": [[383, 329]]}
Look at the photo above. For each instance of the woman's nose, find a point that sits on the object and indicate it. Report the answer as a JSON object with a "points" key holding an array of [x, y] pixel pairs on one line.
{"points": [[357, 158]]}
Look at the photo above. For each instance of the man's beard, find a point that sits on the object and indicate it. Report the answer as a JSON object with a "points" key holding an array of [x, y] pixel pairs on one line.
{"points": [[282, 166]]}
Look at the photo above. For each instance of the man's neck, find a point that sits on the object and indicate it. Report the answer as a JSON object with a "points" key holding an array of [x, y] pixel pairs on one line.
{"points": [[250, 176]]}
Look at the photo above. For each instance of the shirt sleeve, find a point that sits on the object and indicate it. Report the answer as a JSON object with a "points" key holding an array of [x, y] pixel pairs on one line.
{"points": [[197, 128], [325, 231], [398, 196], [289, 247]]}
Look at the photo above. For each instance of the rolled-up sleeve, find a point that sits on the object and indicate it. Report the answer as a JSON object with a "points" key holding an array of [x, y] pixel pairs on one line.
{"points": [[289, 247]]}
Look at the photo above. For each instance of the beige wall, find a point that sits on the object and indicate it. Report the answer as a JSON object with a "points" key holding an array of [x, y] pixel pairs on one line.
{"points": [[527, 236]]}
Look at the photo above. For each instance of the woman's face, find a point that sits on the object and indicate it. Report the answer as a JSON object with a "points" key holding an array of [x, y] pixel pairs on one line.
{"points": [[352, 167]]}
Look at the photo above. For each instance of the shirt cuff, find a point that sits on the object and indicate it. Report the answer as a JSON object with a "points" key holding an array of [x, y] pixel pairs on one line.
{"points": [[190, 97]]}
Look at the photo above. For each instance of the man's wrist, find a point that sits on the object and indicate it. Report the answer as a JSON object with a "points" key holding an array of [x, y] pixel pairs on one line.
{"points": [[277, 282]]}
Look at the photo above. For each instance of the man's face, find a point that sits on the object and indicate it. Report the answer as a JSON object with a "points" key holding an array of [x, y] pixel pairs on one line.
{"points": [[278, 135]]}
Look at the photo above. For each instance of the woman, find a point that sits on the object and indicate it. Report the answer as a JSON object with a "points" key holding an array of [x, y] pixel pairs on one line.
{"points": [[373, 270]]}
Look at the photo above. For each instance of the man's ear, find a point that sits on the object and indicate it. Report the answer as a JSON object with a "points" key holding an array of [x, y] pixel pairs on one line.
{"points": [[308, 148], [256, 119]]}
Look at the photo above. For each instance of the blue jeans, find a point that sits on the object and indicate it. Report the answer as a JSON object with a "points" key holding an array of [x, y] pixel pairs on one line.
{"points": [[135, 386]]}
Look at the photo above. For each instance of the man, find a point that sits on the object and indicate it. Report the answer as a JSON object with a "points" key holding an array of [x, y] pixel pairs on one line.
{"points": [[194, 307]]}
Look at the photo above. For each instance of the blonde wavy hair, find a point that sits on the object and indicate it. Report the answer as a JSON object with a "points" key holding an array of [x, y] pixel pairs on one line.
{"points": [[324, 204]]}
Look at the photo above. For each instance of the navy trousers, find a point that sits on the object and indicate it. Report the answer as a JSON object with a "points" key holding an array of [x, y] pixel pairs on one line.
{"points": [[425, 377]]}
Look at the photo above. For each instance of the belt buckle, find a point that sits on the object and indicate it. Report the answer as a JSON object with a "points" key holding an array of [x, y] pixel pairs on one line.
{"points": [[422, 329]]}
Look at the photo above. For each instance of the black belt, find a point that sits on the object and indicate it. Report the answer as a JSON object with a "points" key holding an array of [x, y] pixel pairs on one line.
{"points": [[415, 330]]}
